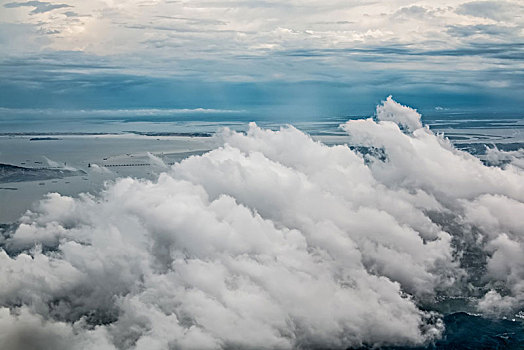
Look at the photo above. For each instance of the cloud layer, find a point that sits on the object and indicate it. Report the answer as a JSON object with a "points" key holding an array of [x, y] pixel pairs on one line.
{"points": [[272, 240], [448, 42]]}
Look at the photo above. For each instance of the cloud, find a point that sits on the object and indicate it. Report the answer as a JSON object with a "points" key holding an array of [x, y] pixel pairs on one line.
{"points": [[481, 29], [272, 240], [303, 41], [411, 11], [25, 330], [58, 165], [101, 169], [400, 46], [156, 161], [497, 157], [496, 10], [39, 6], [407, 117]]}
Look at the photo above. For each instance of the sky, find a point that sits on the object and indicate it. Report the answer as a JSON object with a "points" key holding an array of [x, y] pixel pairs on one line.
{"points": [[311, 58]]}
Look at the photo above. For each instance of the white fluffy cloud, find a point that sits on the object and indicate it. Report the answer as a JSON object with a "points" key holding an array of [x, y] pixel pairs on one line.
{"points": [[272, 240]]}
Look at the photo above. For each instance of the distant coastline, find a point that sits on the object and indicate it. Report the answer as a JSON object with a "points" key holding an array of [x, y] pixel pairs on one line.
{"points": [[13, 173], [44, 139], [50, 136]]}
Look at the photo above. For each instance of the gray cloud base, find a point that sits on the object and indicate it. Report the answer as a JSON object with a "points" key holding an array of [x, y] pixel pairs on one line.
{"points": [[272, 240]]}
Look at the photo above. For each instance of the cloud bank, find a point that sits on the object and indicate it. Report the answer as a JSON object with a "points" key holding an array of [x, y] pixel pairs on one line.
{"points": [[272, 240], [448, 45]]}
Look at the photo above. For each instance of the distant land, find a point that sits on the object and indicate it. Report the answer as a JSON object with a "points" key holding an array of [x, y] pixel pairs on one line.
{"points": [[44, 139], [13, 173]]}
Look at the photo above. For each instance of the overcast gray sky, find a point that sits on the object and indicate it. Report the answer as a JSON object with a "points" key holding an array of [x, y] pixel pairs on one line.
{"points": [[236, 54]]}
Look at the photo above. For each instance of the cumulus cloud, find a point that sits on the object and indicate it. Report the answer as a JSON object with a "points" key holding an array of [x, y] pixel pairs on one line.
{"points": [[272, 240], [156, 161], [55, 164], [100, 169], [394, 111], [497, 157]]}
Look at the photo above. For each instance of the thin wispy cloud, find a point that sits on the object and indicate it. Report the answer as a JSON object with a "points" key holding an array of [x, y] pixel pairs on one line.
{"points": [[39, 6]]}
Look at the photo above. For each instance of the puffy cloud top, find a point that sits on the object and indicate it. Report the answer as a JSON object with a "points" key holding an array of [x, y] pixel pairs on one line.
{"points": [[393, 111], [272, 240]]}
